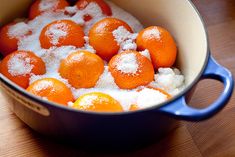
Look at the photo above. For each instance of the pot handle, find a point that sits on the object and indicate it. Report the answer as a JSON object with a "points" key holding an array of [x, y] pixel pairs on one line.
{"points": [[179, 108]]}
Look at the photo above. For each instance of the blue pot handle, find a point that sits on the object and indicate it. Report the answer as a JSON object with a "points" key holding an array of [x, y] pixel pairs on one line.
{"points": [[179, 108]]}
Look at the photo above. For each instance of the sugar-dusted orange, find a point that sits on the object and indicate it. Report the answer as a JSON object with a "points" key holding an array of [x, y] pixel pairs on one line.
{"points": [[130, 69], [8, 42], [102, 39], [97, 102], [51, 89], [82, 69], [106, 10], [160, 44], [19, 65], [62, 33], [41, 6]]}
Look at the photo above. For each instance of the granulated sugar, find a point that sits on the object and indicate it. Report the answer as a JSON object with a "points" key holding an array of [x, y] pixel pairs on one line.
{"points": [[128, 63], [56, 31], [22, 67], [148, 97], [146, 54], [46, 5], [18, 30], [125, 39], [169, 80]]}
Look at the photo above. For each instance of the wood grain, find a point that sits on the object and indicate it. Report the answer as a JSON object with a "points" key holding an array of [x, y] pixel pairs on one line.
{"points": [[211, 138]]}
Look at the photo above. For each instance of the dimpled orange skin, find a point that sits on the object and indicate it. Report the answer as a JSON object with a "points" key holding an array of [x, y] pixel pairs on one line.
{"points": [[102, 39], [163, 51], [52, 89], [35, 11], [82, 69], [82, 4], [143, 76], [98, 102], [23, 80], [74, 37], [7, 44]]}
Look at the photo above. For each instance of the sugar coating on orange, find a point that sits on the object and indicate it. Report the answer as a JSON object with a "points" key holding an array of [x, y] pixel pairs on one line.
{"points": [[130, 69], [42, 6], [160, 44], [20, 65], [82, 69], [102, 39], [9, 36], [98, 102], [51, 89], [62, 33], [106, 10]]}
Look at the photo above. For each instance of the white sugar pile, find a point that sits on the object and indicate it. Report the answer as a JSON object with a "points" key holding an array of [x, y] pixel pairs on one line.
{"points": [[167, 79], [170, 80]]}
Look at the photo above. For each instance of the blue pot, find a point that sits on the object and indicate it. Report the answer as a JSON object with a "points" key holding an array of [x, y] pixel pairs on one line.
{"points": [[120, 130]]}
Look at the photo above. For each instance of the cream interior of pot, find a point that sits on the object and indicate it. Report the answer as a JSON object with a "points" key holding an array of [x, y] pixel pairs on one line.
{"points": [[179, 17]]}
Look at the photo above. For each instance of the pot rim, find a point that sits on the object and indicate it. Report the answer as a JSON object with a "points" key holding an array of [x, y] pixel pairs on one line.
{"points": [[40, 101]]}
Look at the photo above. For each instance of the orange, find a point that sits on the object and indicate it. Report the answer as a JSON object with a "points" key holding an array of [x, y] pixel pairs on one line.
{"points": [[123, 65], [51, 89], [41, 6], [8, 44], [160, 44], [102, 39], [19, 65], [82, 69], [62, 33], [106, 10], [98, 102]]}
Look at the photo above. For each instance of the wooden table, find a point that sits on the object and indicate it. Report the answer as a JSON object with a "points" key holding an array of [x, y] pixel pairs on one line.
{"points": [[211, 138]]}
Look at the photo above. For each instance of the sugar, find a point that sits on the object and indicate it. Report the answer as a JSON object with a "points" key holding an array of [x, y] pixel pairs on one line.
{"points": [[56, 31], [18, 30], [70, 104], [19, 65], [91, 9], [146, 54], [128, 64], [125, 39], [46, 5], [149, 97], [169, 80], [154, 33], [106, 80]]}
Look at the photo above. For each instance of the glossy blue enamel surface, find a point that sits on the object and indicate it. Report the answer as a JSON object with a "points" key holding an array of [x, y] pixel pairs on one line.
{"points": [[180, 109]]}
